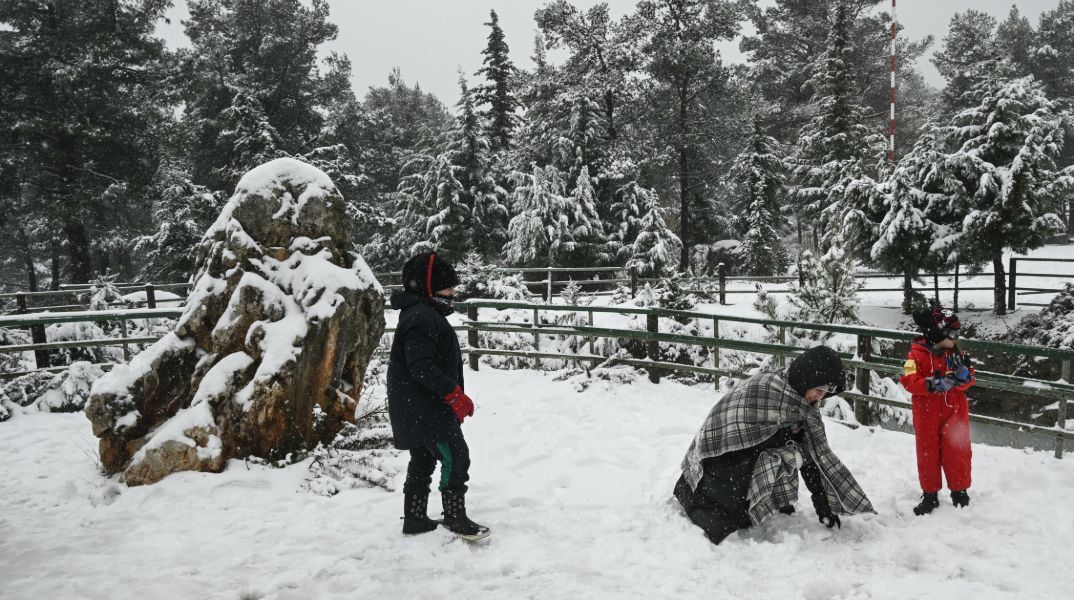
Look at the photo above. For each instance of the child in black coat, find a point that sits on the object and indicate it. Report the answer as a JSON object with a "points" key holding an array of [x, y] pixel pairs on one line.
{"points": [[426, 401]]}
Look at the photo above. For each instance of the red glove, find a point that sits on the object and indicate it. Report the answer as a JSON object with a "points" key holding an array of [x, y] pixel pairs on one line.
{"points": [[460, 403]]}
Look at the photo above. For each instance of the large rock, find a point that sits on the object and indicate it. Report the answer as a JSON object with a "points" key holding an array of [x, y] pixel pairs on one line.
{"points": [[269, 356]]}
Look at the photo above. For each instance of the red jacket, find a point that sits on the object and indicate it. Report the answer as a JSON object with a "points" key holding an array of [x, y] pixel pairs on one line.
{"points": [[923, 363]]}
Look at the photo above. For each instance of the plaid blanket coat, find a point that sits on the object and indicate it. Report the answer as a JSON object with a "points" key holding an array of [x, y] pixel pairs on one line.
{"points": [[754, 411]]}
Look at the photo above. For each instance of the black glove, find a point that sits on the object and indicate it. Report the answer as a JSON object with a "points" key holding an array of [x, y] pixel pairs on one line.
{"points": [[830, 520], [787, 510]]}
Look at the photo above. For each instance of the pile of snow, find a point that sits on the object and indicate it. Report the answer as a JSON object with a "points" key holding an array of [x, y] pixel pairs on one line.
{"points": [[577, 489]]}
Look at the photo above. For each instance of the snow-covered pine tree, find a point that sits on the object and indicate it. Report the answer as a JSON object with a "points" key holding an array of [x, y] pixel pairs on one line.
{"points": [[759, 172], [835, 146], [589, 244], [656, 250], [1001, 163], [246, 140], [830, 290], [182, 213], [891, 221], [540, 230], [968, 59], [497, 93]]}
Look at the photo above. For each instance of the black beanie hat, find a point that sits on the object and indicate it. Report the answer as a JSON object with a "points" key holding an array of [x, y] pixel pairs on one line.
{"points": [[428, 273], [816, 367]]}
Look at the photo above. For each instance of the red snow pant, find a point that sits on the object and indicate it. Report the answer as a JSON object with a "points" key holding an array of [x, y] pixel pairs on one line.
{"points": [[942, 432]]}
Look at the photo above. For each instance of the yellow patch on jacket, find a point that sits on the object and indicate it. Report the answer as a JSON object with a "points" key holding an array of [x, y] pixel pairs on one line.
{"points": [[909, 367]]}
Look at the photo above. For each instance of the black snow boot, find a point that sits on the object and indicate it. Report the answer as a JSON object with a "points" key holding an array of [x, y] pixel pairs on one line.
{"points": [[415, 519], [455, 518], [928, 503], [960, 499]]}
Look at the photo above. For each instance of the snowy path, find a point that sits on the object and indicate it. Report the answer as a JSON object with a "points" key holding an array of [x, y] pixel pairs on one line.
{"points": [[576, 487]]}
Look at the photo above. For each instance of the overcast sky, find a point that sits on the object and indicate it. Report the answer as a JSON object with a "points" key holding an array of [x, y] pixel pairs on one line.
{"points": [[429, 40]]}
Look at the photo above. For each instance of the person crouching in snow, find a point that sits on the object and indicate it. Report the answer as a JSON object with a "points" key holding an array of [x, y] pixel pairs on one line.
{"points": [[426, 401], [744, 462], [937, 373]]}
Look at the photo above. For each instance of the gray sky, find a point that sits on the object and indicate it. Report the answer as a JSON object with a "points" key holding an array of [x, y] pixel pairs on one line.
{"points": [[429, 40]]}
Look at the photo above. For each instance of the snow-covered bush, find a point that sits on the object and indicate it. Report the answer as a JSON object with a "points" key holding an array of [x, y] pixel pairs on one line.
{"points": [[103, 293], [830, 290], [1053, 326], [480, 279], [12, 362], [24, 390], [71, 332], [705, 259], [359, 456], [69, 390]]}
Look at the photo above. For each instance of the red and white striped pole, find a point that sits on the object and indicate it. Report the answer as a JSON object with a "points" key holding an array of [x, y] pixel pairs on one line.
{"points": [[891, 120]]}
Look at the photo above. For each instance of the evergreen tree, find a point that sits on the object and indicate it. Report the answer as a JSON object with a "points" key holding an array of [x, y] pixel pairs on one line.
{"points": [[83, 98], [897, 221], [684, 67], [1002, 154], [540, 231], [1016, 42], [656, 249], [266, 51], [835, 147], [183, 212], [498, 93], [830, 290], [968, 59], [246, 139], [760, 173]]}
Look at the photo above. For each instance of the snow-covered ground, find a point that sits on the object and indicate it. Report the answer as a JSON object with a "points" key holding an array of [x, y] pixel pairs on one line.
{"points": [[576, 487]]}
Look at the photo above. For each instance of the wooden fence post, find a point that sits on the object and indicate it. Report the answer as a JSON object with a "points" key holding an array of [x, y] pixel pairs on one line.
{"points": [[123, 335], [1012, 286], [633, 281], [783, 341], [37, 333], [1061, 413], [862, 380], [536, 336], [471, 338], [591, 338], [652, 348], [548, 294], [150, 296], [716, 350], [722, 270]]}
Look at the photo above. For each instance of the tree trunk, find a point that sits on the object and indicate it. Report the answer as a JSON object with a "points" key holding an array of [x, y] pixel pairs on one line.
{"points": [[684, 200], [55, 283], [907, 293], [78, 251], [28, 258], [955, 307], [936, 287], [1000, 285], [798, 222], [1070, 216]]}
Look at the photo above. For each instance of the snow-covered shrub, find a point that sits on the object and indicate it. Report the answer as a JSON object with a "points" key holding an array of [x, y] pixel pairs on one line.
{"points": [[359, 456], [483, 280], [103, 293], [1053, 326], [830, 291], [69, 390], [13, 362], [23, 390], [70, 332]]}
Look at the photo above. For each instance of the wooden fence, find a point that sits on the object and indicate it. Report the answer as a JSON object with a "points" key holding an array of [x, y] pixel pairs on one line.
{"points": [[863, 362]]}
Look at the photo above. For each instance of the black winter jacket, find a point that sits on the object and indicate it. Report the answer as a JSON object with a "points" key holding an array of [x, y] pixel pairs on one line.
{"points": [[425, 366]]}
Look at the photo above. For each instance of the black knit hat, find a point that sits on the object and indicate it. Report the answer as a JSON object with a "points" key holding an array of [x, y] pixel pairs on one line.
{"points": [[816, 367], [428, 273]]}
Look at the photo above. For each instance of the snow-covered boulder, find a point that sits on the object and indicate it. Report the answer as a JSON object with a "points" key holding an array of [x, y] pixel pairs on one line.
{"points": [[270, 353]]}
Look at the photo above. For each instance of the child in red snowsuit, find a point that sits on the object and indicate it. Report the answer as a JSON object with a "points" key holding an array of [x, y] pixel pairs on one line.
{"points": [[937, 373]]}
